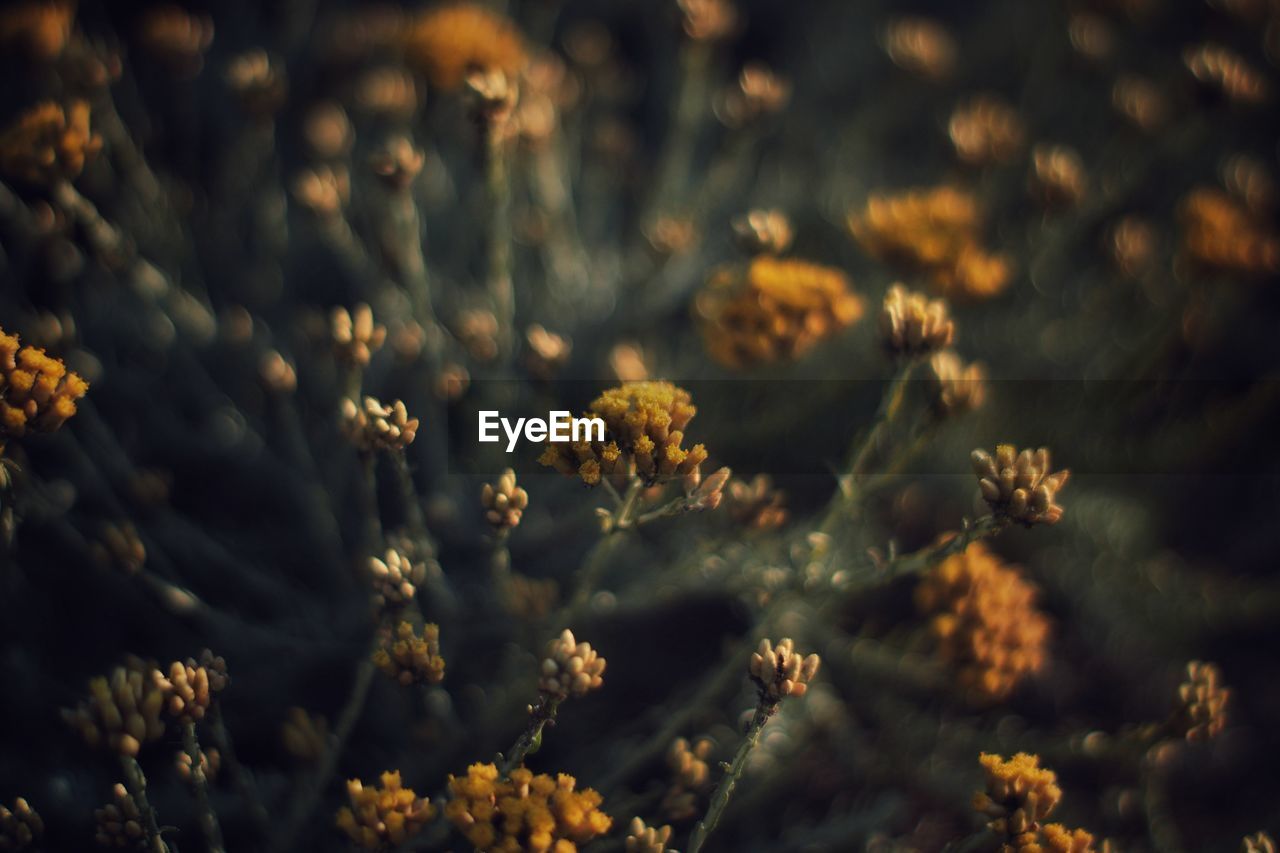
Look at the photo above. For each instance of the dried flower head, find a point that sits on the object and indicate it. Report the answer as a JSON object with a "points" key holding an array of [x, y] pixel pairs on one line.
{"points": [[913, 325], [1259, 842], [644, 436], [398, 162], [763, 232], [1202, 702], [921, 46], [1058, 178], [395, 578], [772, 309], [985, 130], [984, 618], [305, 736], [504, 502], [570, 668], [381, 818], [258, 81], [1132, 246], [356, 337], [936, 231], [756, 504], [190, 685], [524, 811], [545, 352], [210, 764], [1140, 101], [759, 92], [1019, 794], [1019, 486], [1225, 71], [119, 823], [41, 28], [446, 43], [779, 671], [49, 143], [374, 427], [646, 839], [20, 827], [176, 38], [1220, 233], [956, 387], [708, 20], [123, 710], [410, 657]]}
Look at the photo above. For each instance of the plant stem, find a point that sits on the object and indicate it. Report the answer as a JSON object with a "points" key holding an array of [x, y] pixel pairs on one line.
{"points": [[983, 528], [622, 520], [200, 784], [540, 716], [137, 785], [724, 791], [239, 776], [501, 290]]}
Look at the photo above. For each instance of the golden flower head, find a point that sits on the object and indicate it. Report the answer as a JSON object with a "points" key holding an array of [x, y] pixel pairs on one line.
{"points": [[20, 827], [773, 309], [570, 668], [49, 143], [1019, 794], [189, 686], [756, 504], [119, 822], [644, 436], [956, 387], [40, 27], [545, 352], [913, 325], [985, 130], [524, 811], [921, 46], [1058, 178], [356, 337], [1056, 838], [779, 671], [1220, 233], [373, 426], [642, 838], [504, 502], [123, 710], [383, 817], [1202, 702], [1019, 486], [446, 43], [410, 657], [1224, 70], [305, 736], [984, 619], [37, 392], [763, 232], [395, 578]]}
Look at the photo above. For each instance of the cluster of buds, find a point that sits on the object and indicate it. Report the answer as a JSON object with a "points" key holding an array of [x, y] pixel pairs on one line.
{"points": [[524, 811], [210, 764], [323, 190], [20, 827], [48, 143], [1202, 702], [305, 736], [956, 387], [1019, 795], [1226, 71], [380, 818], [646, 839], [763, 232], [446, 43], [570, 668], [545, 352], [690, 777], [759, 92], [1018, 486], [119, 823], [985, 130], [913, 325], [1058, 178], [921, 46], [190, 685], [373, 426], [123, 710], [356, 337], [703, 495], [1221, 233], [411, 658], [756, 504], [37, 392], [258, 81], [395, 578], [504, 502], [477, 330], [779, 671]]}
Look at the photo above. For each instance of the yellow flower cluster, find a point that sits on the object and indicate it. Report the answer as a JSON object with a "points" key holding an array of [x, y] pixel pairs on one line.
{"points": [[20, 827], [524, 813], [190, 685], [504, 502], [41, 27], [985, 620], [936, 231], [411, 657], [690, 777], [772, 309], [911, 324], [780, 671], [1019, 486], [123, 710], [1202, 702], [644, 433], [37, 392], [1221, 234], [1019, 795], [119, 822], [383, 818], [447, 43], [48, 143]]}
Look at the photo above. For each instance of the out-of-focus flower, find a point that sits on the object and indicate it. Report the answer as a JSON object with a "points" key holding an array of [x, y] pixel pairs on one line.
{"points": [[120, 548], [1140, 101], [504, 502], [756, 504], [644, 435], [772, 309], [446, 43], [277, 374], [626, 360], [702, 495], [984, 617], [327, 130], [492, 96], [190, 685], [305, 736], [1019, 794], [398, 162], [49, 143], [356, 337], [1259, 842], [779, 671], [529, 599], [373, 426], [119, 823], [1227, 72], [176, 38], [411, 658], [1058, 179], [381, 818], [763, 232], [758, 93], [323, 190], [1248, 179], [258, 81], [921, 46], [524, 811], [570, 668], [20, 827], [1019, 486], [956, 387], [123, 710], [708, 20], [42, 28], [1131, 244], [545, 352], [913, 325], [985, 130], [646, 839], [671, 235], [937, 231], [1202, 702], [388, 93], [210, 764], [1221, 234], [690, 777], [477, 331], [1091, 36], [395, 578], [452, 382]]}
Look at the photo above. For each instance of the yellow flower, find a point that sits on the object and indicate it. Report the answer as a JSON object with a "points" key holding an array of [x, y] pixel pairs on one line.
{"points": [[1019, 793], [411, 657], [450, 42], [524, 812], [49, 143], [772, 309], [383, 818]]}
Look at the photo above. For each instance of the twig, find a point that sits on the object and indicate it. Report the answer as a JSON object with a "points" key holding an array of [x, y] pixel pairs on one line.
{"points": [[724, 791], [540, 716], [200, 785], [137, 785]]}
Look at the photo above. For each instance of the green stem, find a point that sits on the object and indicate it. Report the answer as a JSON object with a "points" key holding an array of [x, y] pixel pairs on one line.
{"points": [[200, 784], [137, 786], [239, 775], [985, 527], [622, 520], [530, 739], [724, 791]]}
